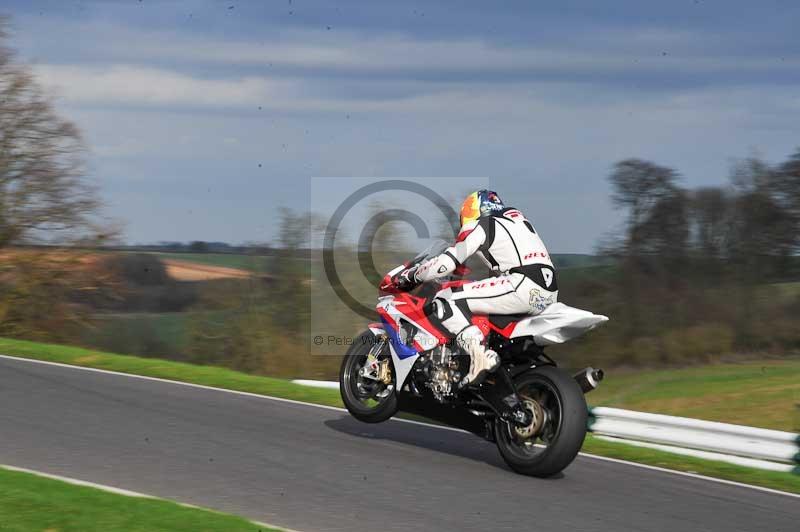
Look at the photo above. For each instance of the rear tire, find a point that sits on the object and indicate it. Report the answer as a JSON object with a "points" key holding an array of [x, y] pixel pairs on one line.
{"points": [[563, 432], [349, 379]]}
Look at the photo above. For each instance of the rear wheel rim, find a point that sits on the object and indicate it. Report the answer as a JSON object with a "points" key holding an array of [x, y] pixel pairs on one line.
{"points": [[546, 395]]}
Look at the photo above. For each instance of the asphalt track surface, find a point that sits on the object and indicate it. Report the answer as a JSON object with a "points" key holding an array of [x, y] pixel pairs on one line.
{"points": [[310, 468]]}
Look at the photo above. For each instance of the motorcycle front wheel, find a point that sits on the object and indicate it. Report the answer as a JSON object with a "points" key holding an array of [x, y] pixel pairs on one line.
{"points": [[554, 437], [367, 400]]}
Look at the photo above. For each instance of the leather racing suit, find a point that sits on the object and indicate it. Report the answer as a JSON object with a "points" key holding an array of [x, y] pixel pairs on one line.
{"points": [[525, 282]]}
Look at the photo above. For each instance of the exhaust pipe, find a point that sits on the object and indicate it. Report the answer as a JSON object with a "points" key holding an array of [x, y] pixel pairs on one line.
{"points": [[588, 379]]}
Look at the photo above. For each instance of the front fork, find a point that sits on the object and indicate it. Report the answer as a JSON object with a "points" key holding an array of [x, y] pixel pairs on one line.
{"points": [[374, 368]]}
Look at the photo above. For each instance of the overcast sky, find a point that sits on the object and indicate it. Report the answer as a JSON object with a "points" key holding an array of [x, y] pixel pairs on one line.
{"points": [[204, 117]]}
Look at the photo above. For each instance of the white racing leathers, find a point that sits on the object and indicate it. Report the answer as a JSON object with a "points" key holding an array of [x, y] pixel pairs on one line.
{"points": [[525, 282]]}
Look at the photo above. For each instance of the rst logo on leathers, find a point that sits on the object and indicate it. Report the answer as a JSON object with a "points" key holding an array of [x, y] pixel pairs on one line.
{"points": [[474, 286]]}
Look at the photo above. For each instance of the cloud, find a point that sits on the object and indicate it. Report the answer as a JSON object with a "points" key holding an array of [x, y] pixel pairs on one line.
{"points": [[654, 52], [128, 84], [642, 56], [173, 119]]}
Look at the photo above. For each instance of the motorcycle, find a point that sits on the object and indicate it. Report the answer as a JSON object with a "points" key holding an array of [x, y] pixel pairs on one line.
{"points": [[533, 410]]}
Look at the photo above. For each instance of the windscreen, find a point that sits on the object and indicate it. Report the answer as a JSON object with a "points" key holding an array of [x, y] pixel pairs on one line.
{"points": [[436, 247]]}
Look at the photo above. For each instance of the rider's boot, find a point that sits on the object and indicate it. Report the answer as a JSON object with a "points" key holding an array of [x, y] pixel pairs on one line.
{"points": [[482, 360]]}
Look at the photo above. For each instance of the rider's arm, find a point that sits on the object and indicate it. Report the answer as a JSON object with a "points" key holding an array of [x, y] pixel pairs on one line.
{"points": [[470, 238]]}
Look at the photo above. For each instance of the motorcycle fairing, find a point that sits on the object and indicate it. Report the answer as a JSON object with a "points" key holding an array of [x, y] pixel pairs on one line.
{"points": [[412, 309], [402, 350], [557, 324], [391, 310], [485, 324]]}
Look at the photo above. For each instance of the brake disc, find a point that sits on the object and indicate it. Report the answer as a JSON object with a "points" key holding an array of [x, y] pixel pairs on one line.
{"points": [[537, 420]]}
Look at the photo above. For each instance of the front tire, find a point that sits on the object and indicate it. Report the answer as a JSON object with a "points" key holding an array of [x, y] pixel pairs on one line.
{"points": [[547, 449], [366, 400]]}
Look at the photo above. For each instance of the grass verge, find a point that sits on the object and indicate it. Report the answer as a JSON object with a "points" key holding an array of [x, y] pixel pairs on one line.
{"points": [[760, 394], [30, 502], [224, 378]]}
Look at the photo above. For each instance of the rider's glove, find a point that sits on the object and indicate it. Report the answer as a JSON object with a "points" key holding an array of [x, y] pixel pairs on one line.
{"points": [[407, 279]]}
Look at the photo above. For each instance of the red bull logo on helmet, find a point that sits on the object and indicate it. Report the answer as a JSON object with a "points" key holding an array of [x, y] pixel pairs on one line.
{"points": [[490, 202]]}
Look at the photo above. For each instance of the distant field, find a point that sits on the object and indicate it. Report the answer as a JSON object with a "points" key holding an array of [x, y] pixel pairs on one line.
{"points": [[252, 263], [578, 260], [183, 270], [762, 394], [259, 263], [571, 276]]}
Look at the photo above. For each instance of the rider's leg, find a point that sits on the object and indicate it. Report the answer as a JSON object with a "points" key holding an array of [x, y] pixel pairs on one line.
{"points": [[456, 318], [481, 359], [506, 294], [511, 294]]}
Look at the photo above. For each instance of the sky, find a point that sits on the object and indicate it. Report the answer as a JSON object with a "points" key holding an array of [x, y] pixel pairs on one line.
{"points": [[203, 118]]}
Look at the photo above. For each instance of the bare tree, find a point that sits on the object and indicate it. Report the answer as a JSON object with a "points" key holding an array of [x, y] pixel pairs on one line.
{"points": [[43, 191], [44, 196], [765, 229], [786, 181], [711, 212], [653, 201]]}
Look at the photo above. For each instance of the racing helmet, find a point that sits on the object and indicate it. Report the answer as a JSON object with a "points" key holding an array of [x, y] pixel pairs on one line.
{"points": [[480, 203]]}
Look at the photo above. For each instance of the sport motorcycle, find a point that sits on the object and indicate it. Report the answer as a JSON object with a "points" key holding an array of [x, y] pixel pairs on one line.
{"points": [[533, 410]]}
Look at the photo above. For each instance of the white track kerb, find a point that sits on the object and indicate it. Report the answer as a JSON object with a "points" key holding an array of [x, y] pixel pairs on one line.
{"points": [[736, 444]]}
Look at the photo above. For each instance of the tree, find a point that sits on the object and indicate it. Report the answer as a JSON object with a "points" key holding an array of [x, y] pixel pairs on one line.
{"points": [[657, 231], [44, 294], [43, 191], [764, 231], [786, 180], [650, 194], [711, 213], [198, 246], [291, 307], [664, 233]]}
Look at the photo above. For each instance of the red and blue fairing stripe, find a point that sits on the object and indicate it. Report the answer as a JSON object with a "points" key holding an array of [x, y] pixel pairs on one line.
{"points": [[403, 351]]}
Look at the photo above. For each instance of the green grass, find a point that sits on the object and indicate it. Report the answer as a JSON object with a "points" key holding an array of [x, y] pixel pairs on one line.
{"points": [[29, 502], [223, 378], [788, 290], [761, 394]]}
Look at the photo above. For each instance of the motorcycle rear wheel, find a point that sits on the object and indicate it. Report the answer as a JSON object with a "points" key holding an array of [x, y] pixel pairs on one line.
{"points": [[366, 400], [559, 438]]}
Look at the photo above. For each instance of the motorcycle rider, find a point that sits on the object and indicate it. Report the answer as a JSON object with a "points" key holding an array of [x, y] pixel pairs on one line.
{"points": [[525, 282]]}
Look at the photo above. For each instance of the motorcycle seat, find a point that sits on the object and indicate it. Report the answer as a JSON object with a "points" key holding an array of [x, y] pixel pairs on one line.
{"points": [[501, 321]]}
